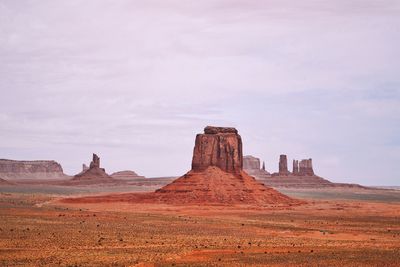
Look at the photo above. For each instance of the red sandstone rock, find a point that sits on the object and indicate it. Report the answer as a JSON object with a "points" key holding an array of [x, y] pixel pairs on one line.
{"points": [[214, 185], [95, 162], [295, 170], [251, 163], [220, 147], [17, 170], [283, 167], [93, 175], [84, 167], [305, 167], [217, 130], [217, 176]]}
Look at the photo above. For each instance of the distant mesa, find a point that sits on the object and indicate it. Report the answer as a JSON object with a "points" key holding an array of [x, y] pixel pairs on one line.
{"points": [[302, 175], [92, 175], [126, 175], [216, 177], [23, 170], [251, 165]]}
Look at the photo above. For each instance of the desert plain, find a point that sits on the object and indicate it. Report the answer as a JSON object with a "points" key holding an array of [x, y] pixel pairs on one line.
{"points": [[334, 227]]}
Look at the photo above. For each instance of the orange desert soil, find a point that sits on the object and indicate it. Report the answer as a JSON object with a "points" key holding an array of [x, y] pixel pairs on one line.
{"points": [[211, 186], [39, 230]]}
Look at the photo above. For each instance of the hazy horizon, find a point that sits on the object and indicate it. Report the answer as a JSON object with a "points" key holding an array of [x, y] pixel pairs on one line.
{"points": [[135, 81]]}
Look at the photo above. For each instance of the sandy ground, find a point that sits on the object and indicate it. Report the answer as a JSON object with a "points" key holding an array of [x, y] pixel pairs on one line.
{"points": [[37, 230]]}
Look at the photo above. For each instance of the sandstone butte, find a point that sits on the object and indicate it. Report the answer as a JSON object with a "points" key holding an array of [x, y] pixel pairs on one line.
{"points": [[216, 177], [92, 175]]}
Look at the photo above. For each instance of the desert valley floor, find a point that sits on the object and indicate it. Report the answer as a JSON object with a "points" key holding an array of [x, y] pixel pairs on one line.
{"points": [[336, 227]]}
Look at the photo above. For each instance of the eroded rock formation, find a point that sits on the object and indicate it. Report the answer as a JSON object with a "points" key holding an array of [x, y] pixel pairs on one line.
{"points": [[216, 178], [251, 163], [17, 170], [94, 174], [84, 167], [305, 167], [219, 147], [295, 170], [302, 176], [283, 167], [217, 175]]}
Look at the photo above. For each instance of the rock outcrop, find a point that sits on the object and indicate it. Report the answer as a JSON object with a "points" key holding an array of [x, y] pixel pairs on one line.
{"points": [[217, 175], [219, 147], [216, 178], [93, 175], [19, 170], [295, 170], [251, 165], [126, 175], [305, 167], [283, 167], [302, 176], [84, 167]]}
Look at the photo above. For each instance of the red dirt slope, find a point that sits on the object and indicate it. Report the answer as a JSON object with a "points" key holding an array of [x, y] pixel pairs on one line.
{"points": [[212, 186]]}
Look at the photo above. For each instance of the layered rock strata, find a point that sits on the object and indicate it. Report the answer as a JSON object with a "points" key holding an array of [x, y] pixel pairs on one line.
{"points": [[18, 170], [219, 147], [217, 175]]}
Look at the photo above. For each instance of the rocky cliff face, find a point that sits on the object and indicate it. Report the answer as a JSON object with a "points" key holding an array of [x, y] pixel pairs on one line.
{"points": [[305, 167], [217, 176], [295, 170], [283, 167], [220, 147], [14, 170]]}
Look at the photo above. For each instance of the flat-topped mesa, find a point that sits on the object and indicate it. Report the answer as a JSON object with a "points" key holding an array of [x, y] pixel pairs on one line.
{"points": [[220, 147], [305, 167], [251, 163], [283, 167], [16, 170]]}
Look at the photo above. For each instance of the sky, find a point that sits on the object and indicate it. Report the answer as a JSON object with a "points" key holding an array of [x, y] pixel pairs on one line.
{"points": [[135, 81]]}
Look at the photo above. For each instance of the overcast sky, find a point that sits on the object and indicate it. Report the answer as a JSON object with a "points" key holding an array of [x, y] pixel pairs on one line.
{"points": [[134, 81]]}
